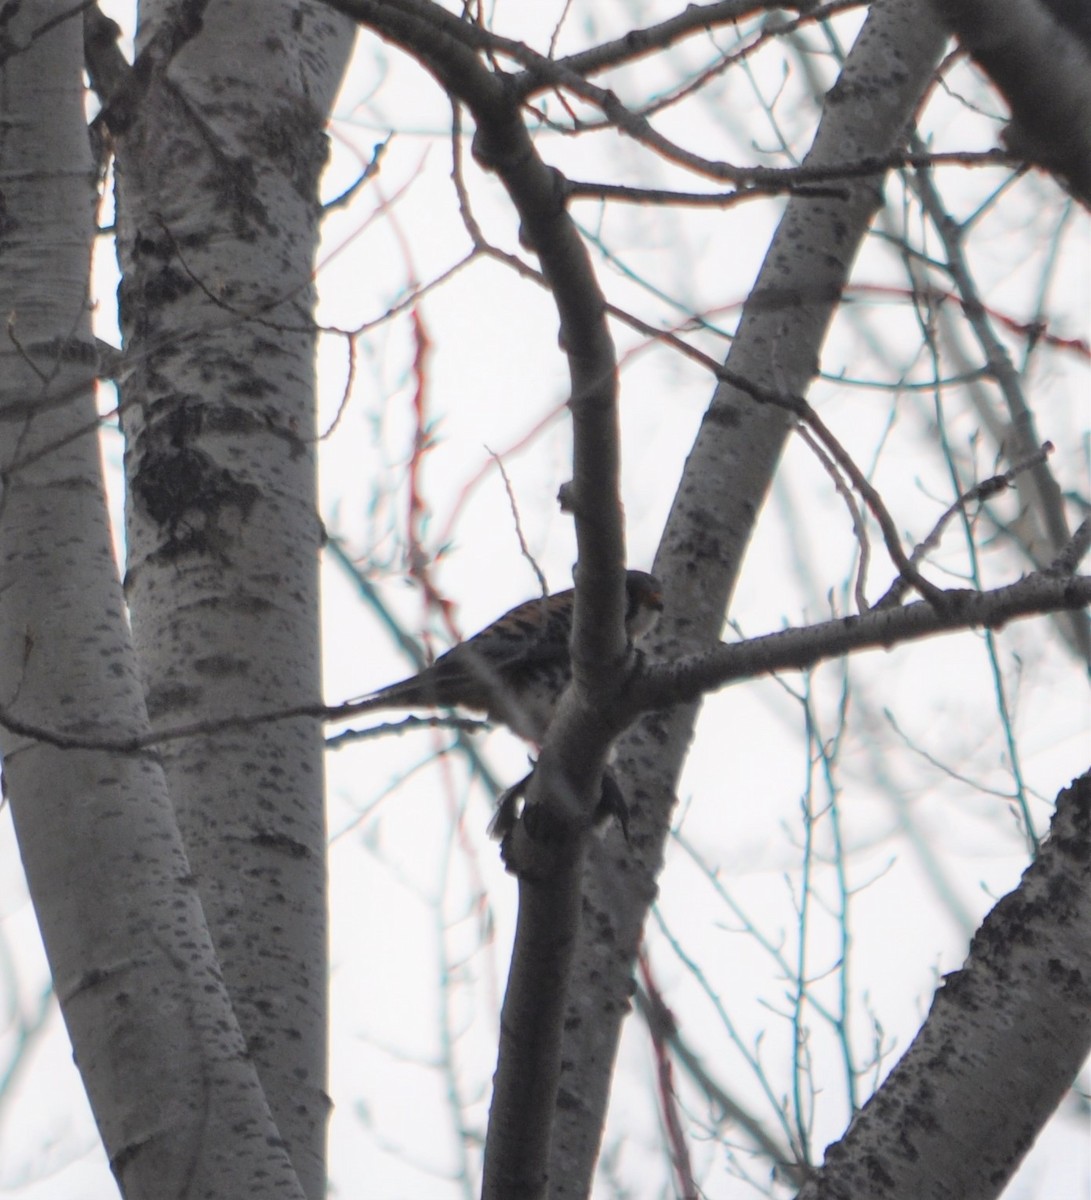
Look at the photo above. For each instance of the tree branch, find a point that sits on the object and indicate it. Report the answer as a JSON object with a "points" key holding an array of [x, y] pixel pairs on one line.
{"points": [[664, 684], [1029, 969], [1039, 55], [564, 787], [688, 678]]}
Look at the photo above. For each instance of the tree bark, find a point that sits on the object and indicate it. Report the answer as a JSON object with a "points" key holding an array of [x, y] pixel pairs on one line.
{"points": [[219, 145], [176, 1097], [867, 114], [1004, 1040]]}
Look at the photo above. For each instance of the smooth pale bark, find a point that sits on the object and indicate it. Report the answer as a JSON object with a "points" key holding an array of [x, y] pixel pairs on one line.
{"points": [[176, 1097], [219, 144], [726, 478], [1006, 1036]]}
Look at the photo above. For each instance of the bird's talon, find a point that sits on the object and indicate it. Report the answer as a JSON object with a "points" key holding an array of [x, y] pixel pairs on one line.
{"points": [[508, 809]]}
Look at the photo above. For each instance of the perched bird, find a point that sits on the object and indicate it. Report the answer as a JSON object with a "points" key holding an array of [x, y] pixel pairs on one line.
{"points": [[515, 669]]}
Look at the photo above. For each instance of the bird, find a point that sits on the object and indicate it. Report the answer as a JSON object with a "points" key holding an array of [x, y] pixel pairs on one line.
{"points": [[516, 669]]}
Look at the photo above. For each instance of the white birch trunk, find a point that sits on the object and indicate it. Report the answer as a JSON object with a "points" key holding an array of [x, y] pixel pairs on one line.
{"points": [[176, 1097], [726, 478], [217, 225]]}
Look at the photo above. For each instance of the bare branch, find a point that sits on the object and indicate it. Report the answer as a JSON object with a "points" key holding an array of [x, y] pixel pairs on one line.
{"points": [[798, 649], [664, 684], [1043, 67]]}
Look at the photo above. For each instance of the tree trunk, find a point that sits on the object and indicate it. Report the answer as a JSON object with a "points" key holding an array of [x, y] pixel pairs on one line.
{"points": [[218, 157], [175, 1094], [777, 348]]}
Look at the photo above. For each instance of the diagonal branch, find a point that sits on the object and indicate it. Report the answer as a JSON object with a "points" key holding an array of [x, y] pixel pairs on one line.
{"points": [[686, 679], [727, 474], [448, 48], [570, 768], [1028, 967]]}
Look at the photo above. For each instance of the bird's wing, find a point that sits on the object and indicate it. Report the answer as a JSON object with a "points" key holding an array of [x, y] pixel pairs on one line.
{"points": [[470, 674], [528, 636]]}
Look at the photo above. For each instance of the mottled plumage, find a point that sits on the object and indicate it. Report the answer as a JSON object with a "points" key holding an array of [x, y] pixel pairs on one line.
{"points": [[515, 669]]}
